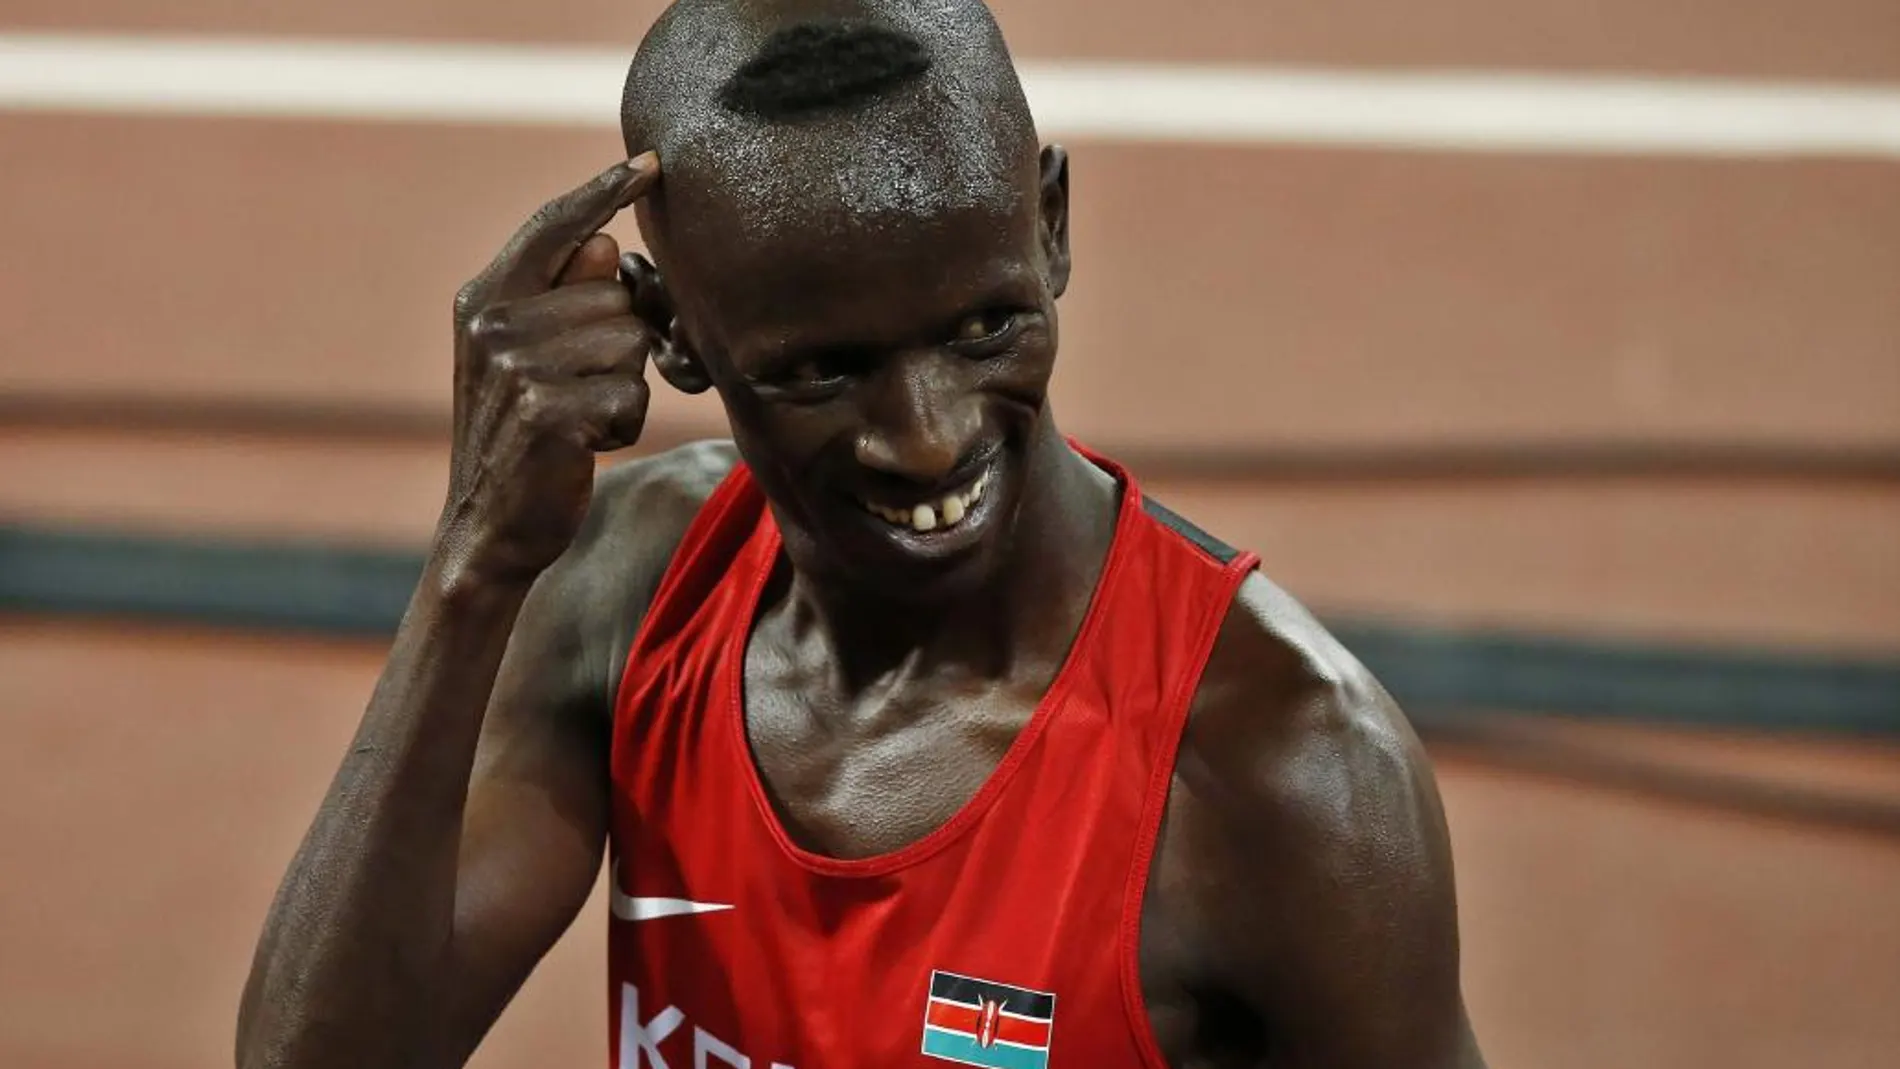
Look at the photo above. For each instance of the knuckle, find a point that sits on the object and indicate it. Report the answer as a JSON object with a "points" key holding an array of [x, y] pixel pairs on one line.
{"points": [[552, 217], [490, 324], [469, 300], [508, 364], [624, 419], [559, 206], [535, 406], [632, 400], [616, 300], [629, 409], [635, 336], [611, 341]]}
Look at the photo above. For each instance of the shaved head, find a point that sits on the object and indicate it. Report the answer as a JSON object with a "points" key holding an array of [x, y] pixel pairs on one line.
{"points": [[824, 116]]}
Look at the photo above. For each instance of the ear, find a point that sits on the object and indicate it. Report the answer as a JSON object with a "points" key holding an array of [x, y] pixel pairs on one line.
{"points": [[680, 366], [673, 355], [1054, 206]]}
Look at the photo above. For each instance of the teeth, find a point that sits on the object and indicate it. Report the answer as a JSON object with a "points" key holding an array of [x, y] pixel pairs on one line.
{"points": [[947, 511]]}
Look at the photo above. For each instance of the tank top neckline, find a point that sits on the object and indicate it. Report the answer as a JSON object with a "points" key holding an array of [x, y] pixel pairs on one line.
{"points": [[762, 558]]}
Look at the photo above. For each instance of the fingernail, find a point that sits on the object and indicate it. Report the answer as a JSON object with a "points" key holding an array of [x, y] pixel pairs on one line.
{"points": [[644, 163]]}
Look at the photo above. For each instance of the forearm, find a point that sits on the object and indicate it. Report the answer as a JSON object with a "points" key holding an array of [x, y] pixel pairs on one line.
{"points": [[354, 961]]}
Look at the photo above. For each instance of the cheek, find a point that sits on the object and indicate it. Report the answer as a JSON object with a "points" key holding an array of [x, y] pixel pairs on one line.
{"points": [[753, 430], [1024, 376], [784, 438]]}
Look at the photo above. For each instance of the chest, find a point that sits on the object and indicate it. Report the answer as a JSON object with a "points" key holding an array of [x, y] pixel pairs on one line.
{"points": [[938, 883], [872, 774], [855, 783], [945, 828]]}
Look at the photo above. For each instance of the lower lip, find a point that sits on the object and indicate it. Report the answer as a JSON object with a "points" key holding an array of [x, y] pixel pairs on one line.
{"points": [[943, 542]]}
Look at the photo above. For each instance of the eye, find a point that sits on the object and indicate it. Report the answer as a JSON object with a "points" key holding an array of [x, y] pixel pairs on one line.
{"points": [[995, 326], [817, 371], [817, 374]]}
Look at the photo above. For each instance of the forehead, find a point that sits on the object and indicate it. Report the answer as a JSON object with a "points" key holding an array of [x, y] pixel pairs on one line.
{"points": [[911, 157], [800, 238], [882, 281]]}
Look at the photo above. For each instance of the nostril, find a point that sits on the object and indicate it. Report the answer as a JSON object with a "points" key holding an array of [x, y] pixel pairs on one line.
{"points": [[902, 484], [923, 459], [920, 421], [875, 451]]}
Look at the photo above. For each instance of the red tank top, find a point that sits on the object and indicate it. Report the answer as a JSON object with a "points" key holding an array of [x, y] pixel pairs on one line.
{"points": [[1006, 938]]}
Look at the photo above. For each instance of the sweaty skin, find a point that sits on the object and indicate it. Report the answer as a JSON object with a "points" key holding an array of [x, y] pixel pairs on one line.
{"points": [[867, 346]]}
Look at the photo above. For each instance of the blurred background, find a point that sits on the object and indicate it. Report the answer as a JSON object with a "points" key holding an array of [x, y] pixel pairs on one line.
{"points": [[1550, 350]]}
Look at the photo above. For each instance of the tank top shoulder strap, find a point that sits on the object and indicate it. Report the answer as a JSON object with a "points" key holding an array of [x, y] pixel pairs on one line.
{"points": [[1188, 587], [1169, 588], [1174, 592]]}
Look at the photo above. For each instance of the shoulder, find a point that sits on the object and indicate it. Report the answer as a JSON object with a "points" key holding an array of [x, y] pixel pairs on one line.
{"points": [[641, 508], [1300, 788], [1303, 868], [586, 608], [640, 511], [1290, 725]]}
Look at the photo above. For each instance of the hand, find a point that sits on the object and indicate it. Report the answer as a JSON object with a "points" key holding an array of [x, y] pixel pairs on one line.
{"points": [[550, 357]]}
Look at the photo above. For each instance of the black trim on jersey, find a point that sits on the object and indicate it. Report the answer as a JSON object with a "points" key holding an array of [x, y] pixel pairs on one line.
{"points": [[1208, 544]]}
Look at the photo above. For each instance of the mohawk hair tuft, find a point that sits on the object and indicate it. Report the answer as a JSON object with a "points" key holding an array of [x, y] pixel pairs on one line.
{"points": [[827, 66]]}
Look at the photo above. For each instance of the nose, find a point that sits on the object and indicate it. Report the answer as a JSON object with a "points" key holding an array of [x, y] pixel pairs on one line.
{"points": [[922, 420]]}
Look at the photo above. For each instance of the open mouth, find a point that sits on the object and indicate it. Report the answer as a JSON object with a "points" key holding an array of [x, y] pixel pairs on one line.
{"points": [[939, 514]]}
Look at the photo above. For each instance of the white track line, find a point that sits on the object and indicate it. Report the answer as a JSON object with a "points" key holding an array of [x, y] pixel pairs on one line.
{"points": [[1455, 111]]}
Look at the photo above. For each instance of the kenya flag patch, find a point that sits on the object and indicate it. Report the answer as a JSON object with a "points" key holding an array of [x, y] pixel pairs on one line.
{"points": [[982, 1022]]}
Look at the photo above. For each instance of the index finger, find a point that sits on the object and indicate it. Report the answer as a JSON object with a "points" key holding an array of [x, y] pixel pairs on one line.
{"points": [[535, 255]]}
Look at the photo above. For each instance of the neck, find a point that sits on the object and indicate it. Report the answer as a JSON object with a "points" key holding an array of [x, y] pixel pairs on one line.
{"points": [[1018, 624]]}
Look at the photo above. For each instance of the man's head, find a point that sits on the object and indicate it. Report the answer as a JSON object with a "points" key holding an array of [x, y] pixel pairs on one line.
{"points": [[863, 246]]}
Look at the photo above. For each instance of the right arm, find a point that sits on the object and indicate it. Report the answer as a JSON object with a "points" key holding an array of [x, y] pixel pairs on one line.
{"points": [[453, 850], [465, 826], [361, 962]]}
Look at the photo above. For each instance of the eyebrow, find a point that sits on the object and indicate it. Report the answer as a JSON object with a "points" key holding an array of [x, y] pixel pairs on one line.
{"points": [[1009, 288], [784, 359]]}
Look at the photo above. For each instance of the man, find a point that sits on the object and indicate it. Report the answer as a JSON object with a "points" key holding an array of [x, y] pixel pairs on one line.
{"points": [[919, 736]]}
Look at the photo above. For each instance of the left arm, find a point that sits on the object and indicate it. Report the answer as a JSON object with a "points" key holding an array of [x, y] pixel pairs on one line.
{"points": [[1321, 880]]}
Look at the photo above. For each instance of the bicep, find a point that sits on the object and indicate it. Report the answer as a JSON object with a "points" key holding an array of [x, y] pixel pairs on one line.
{"points": [[1370, 976], [1346, 851]]}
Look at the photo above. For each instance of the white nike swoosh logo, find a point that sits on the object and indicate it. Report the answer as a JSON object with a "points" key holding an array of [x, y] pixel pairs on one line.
{"points": [[633, 908]]}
